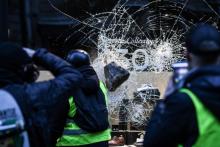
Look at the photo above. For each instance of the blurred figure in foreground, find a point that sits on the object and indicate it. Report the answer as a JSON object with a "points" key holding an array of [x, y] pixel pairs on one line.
{"points": [[33, 113], [87, 124], [190, 115]]}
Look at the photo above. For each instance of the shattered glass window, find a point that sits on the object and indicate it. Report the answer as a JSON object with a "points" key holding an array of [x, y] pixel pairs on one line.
{"points": [[139, 35]]}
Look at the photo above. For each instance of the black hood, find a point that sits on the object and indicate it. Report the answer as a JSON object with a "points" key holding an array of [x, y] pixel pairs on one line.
{"points": [[12, 61], [8, 77], [90, 82], [205, 83]]}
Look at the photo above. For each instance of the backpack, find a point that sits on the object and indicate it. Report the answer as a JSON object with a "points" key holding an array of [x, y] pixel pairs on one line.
{"points": [[12, 127], [91, 110]]}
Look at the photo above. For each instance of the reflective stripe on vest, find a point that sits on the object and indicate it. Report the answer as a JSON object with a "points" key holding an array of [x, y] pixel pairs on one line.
{"points": [[208, 124], [75, 136]]}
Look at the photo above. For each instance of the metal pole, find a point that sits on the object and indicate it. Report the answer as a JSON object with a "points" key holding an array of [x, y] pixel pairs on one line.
{"points": [[26, 25], [3, 20]]}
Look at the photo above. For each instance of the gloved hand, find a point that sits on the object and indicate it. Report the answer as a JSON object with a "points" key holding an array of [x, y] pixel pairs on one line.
{"points": [[29, 51]]}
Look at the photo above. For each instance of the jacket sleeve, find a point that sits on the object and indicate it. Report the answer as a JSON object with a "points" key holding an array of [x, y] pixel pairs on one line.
{"points": [[66, 77], [50, 98], [173, 122]]}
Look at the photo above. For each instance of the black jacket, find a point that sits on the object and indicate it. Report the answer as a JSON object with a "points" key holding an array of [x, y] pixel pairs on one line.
{"points": [[91, 113], [90, 81], [174, 120], [45, 104]]}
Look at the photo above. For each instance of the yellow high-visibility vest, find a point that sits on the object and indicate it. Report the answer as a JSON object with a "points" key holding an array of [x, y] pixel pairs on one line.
{"points": [[73, 135]]}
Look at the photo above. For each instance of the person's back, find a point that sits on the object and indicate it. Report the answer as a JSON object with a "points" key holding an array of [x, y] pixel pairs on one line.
{"points": [[88, 116], [190, 115], [44, 105]]}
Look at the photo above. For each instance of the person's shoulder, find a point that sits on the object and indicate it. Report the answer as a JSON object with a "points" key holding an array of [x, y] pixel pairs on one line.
{"points": [[15, 88], [179, 99]]}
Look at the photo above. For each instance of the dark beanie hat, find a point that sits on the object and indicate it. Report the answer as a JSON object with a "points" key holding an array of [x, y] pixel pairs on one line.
{"points": [[203, 39], [12, 56]]}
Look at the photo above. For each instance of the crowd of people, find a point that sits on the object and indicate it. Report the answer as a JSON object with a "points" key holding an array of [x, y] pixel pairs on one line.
{"points": [[71, 109]]}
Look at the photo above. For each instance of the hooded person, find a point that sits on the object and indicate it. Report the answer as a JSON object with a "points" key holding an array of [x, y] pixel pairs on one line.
{"points": [[13, 65], [87, 123], [33, 113], [190, 116]]}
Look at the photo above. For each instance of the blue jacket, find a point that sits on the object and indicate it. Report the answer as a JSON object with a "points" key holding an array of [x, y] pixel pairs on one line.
{"points": [[174, 119], [45, 104]]}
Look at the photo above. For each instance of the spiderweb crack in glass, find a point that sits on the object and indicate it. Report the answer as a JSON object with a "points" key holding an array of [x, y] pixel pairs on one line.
{"points": [[148, 38]]}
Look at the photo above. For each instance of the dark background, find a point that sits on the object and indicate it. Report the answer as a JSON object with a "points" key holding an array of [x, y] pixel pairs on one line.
{"points": [[34, 23]]}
